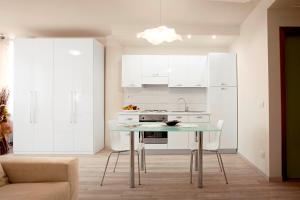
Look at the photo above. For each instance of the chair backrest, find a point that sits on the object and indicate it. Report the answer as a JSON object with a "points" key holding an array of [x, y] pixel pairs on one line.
{"points": [[220, 124], [119, 140], [214, 140], [115, 137]]}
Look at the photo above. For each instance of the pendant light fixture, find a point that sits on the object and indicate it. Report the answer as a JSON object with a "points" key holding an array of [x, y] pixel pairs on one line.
{"points": [[159, 34]]}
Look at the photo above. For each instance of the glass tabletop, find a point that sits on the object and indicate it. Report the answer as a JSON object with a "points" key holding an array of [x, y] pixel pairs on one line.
{"points": [[159, 126]]}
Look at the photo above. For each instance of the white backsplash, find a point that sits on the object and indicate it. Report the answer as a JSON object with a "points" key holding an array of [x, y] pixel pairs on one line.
{"points": [[164, 98]]}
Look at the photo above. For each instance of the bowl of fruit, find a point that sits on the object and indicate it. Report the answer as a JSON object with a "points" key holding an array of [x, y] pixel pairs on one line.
{"points": [[130, 108]]}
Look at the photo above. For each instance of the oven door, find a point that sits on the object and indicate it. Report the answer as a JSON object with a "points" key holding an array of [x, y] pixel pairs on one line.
{"points": [[155, 137]]}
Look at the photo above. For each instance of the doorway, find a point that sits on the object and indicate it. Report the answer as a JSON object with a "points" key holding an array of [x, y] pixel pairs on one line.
{"points": [[290, 98]]}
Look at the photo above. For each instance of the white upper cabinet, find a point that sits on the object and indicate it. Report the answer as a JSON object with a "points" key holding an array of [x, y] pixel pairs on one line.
{"points": [[131, 71], [188, 71], [155, 65], [178, 71], [197, 71], [222, 69], [171, 70], [155, 69]]}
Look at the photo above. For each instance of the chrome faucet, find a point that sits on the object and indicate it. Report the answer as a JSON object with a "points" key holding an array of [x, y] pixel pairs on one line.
{"points": [[186, 108]]}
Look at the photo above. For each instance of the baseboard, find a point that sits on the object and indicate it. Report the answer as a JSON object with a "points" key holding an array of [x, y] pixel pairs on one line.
{"points": [[267, 178], [275, 179]]}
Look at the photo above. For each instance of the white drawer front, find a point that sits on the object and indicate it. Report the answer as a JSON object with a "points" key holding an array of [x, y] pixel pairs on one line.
{"points": [[181, 118], [198, 118], [128, 118]]}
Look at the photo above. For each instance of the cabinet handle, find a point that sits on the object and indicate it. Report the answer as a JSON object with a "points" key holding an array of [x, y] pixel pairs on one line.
{"points": [[178, 117], [35, 107], [223, 84], [129, 119], [179, 85], [74, 107], [198, 85], [199, 117], [30, 107], [223, 88]]}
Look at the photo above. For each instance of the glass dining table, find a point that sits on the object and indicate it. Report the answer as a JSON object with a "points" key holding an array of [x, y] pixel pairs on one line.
{"points": [[197, 128]]}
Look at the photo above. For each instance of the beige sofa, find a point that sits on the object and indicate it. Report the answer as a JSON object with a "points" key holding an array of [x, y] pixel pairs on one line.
{"points": [[32, 178]]}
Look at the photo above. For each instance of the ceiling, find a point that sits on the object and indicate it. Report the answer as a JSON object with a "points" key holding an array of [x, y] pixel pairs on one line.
{"points": [[124, 18]]}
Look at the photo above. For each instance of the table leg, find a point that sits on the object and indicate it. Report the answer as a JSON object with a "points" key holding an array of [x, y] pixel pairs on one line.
{"points": [[131, 177], [200, 160], [196, 167]]}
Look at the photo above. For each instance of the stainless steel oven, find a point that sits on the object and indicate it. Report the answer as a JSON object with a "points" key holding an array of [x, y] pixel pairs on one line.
{"points": [[151, 137]]}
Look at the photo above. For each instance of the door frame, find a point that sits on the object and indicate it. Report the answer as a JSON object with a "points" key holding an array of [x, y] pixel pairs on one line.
{"points": [[284, 32]]}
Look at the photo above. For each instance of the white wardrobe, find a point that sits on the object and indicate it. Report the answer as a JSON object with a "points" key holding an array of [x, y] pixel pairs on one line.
{"points": [[58, 96]]}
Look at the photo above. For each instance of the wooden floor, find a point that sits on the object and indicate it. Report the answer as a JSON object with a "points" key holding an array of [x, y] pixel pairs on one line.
{"points": [[167, 178]]}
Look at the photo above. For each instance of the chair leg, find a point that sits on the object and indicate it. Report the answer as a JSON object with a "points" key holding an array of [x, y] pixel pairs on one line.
{"points": [[145, 168], [219, 162], [191, 167], [223, 168], [116, 162], [106, 168], [138, 156]]}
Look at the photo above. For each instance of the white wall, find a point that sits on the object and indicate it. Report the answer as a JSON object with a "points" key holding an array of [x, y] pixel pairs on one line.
{"points": [[113, 89], [252, 58], [277, 18]]}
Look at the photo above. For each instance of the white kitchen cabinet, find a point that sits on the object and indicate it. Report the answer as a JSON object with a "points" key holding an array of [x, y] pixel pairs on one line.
{"points": [[197, 71], [155, 69], [33, 107], [131, 71], [222, 69], [60, 97], [178, 75], [188, 71], [223, 106]]}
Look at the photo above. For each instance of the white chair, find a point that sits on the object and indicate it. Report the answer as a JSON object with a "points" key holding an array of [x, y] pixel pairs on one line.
{"points": [[120, 144], [212, 146]]}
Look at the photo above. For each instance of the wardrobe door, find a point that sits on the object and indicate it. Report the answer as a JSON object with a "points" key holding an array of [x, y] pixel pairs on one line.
{"points": [[73, 95], [43, 95], [83, 91], [64, 140], [23, 96]]}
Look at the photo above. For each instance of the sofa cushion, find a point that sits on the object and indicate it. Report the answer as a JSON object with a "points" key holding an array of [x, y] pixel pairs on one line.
{"points": [[3, 177], [36, 191]]}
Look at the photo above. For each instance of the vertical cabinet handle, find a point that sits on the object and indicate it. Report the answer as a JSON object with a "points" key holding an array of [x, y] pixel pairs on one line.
{"points": [[35, 107], [74, 107], [30, 107], [71, 104]]}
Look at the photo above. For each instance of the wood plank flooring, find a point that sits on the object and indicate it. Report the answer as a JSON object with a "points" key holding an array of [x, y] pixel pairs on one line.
{"points": [[167, 178]]}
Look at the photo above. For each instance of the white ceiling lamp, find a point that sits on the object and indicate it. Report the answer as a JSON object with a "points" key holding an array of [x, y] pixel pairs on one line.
{"points": [[159, 34]]}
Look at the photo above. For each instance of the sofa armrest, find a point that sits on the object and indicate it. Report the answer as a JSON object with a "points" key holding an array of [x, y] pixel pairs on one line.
{"points": [[21, 169]]}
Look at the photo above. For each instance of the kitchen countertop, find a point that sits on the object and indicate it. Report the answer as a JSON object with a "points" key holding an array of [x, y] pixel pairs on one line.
{"points": [[163, 113]]}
